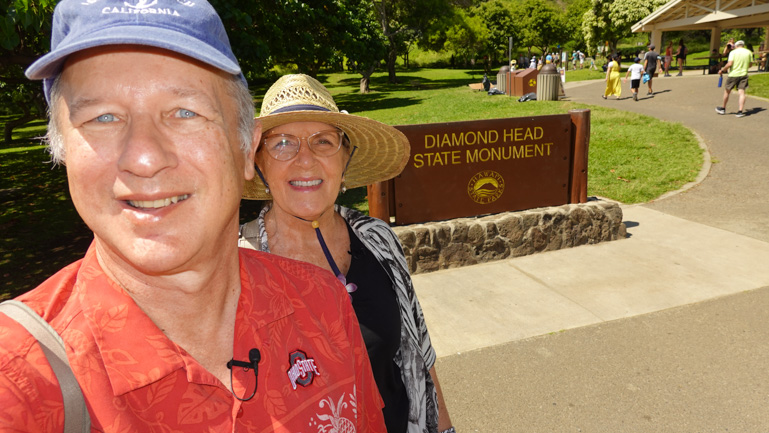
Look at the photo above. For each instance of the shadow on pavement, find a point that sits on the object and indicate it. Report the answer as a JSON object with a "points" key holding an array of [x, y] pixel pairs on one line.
{"points": [[630, 225]]}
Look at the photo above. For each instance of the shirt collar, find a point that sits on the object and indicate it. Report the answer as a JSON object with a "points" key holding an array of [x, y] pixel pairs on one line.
{"points": [[134, 350]]}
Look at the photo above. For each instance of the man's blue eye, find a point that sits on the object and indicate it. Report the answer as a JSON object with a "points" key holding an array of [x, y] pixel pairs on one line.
{"points": [[106, 118], [186, 114]]}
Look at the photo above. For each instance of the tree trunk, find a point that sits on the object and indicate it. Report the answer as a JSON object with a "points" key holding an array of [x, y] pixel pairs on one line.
{"points": [[366, 80], [392, 56], [10, 125]]}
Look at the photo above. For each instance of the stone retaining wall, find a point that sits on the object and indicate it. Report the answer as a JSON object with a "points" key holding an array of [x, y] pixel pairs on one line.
{"points": [[468, 241]]}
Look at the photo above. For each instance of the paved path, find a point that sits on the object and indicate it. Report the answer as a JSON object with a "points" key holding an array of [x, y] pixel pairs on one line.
{"points": [[665, 331], [734, 195]]}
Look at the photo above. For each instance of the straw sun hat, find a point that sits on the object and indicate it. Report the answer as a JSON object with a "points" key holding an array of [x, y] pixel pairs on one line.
{"points": [[382, 152]]}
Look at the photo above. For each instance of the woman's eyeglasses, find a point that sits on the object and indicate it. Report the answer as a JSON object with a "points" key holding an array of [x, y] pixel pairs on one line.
{"points": [[284, 147]]}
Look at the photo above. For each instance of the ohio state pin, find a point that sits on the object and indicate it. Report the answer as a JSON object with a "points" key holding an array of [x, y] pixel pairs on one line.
{"points": [[302, 370]]}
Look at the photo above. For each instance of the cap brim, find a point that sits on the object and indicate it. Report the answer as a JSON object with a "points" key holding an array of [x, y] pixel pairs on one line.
{"points": [[383, 151], [49, 65]]}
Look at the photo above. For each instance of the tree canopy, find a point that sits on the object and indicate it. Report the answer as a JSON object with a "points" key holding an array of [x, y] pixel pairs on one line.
{"points": [[25, 29], [611, 20], [404, 21], [360, 35], [542, 25]]}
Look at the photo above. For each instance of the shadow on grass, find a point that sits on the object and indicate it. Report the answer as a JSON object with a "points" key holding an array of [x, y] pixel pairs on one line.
{"points": [[25, 135], [409, 79], [381, 101], [42, 232]]}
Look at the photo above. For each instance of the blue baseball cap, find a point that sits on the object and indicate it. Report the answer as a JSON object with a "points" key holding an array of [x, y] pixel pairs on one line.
{"points": [[188, 27]]}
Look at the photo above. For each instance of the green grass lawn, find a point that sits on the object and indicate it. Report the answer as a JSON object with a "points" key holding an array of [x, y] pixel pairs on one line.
{"points": [[42, 231], [589, 74], [758, 85]]}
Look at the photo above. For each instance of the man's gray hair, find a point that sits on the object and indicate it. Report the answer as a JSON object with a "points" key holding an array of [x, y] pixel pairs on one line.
{"points": [[235, 87]]}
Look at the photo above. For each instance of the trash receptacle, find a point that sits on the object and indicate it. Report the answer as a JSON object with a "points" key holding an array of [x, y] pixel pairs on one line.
{"points": [[502, 78], [525, 82], [549, 83], [509, 81]]}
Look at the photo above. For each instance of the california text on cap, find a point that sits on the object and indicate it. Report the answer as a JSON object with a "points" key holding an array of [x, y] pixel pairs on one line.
{"points": [[187, 27]]}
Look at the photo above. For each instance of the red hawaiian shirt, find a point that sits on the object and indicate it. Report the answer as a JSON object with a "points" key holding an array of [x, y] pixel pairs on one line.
{"points": [[314, 374]]}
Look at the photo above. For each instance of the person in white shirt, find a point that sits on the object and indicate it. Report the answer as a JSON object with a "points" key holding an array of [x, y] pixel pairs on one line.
{"points": [[635, 72]]}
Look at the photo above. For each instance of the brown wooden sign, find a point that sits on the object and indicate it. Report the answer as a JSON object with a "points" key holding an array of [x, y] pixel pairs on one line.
{"points": [[463, 169]]}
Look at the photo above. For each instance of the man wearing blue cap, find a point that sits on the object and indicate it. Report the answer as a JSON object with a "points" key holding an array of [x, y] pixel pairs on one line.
{"points": [[165, 323]]}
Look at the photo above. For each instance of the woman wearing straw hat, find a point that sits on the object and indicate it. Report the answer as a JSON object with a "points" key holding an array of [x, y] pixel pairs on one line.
{"points": [[308, 153]]}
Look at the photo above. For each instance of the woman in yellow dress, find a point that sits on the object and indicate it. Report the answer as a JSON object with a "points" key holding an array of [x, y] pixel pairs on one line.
{"points": [[613, 85]]}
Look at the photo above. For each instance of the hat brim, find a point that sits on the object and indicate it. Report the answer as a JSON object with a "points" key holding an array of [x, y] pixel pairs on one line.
{"points": [[383, 151], [49, 65]]}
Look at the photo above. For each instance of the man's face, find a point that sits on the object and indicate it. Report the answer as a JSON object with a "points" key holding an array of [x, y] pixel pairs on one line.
{"points": [[153, 157]]}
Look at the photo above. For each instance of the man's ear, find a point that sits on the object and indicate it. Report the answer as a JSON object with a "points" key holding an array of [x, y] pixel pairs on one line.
{"points": [[251, 155]]}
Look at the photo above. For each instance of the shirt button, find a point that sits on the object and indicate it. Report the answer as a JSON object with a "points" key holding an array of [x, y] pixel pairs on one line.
{"points": [[240, 412]]}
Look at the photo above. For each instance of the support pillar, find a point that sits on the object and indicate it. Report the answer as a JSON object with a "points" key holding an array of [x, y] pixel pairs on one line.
{"points": [[379, 201], [657, 39], [580, 141], [715, 39], [766, 38]]}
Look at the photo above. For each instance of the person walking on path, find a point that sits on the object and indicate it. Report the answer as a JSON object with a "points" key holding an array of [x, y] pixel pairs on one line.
{"points": [[681, 57], [668, 57], [613, 85], [635, 71], [650, 66], [740, 59]]}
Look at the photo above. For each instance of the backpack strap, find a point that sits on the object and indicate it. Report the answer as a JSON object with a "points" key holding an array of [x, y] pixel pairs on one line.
{"points": [[76, 418]]}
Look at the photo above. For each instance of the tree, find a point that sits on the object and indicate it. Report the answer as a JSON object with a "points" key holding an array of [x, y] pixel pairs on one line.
{"points": [[498, 20], [542, 25], [308, 35], [363, 44], [611, 20], [473, 32], [297, 33], [25, 29], [573, 17], [465, 37], [247, 24], [405, 20]]}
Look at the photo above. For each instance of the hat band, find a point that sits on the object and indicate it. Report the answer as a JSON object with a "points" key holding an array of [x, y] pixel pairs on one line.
{"points": [[300, 107]]}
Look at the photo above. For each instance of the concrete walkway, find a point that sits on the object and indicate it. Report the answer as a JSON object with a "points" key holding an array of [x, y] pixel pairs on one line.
{"points": [[665, 331]]}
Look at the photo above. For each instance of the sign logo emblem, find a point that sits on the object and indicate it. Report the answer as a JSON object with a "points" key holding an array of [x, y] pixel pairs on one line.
{"points": [[486, 187], [532, 82], [302, 370]]}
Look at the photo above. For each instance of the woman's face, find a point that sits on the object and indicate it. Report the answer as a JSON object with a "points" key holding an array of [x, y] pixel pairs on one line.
{"points": [[308, 184]]}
